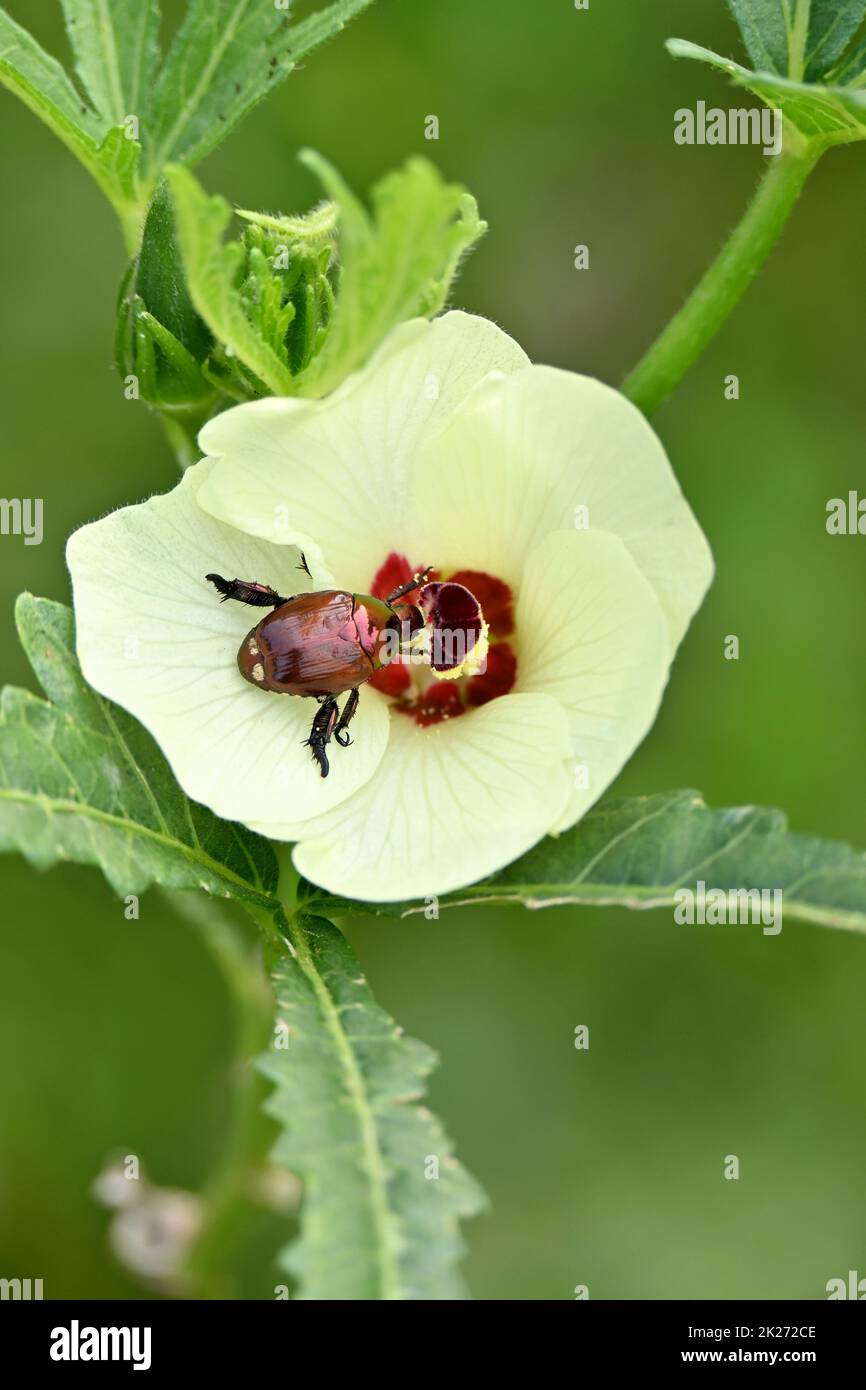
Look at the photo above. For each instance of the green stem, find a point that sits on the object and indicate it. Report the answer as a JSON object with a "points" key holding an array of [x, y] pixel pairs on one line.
{"points": [[181, 441], [688, 334], [131, 217], [798, 40]]}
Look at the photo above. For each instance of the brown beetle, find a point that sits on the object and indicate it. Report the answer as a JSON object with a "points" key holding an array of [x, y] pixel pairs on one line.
{"points": [[321, 645]]}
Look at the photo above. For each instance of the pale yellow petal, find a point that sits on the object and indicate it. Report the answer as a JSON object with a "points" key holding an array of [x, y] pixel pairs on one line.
{"points": [[333, 476], [593, 636], [544, 450], [448, 805], [153, 636]]}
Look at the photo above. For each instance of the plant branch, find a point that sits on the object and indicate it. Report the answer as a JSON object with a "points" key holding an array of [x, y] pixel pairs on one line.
{"points": [[688, 334]]}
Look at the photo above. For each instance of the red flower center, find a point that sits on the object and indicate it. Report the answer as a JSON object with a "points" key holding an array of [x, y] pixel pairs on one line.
{"points": [[436, 701]]}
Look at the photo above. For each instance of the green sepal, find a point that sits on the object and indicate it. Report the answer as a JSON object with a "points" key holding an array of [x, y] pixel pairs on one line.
{"points": [[160, 339], [265, 295], [396, 262]]}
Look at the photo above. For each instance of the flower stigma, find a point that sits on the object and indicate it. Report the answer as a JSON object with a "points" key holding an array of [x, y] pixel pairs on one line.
{"points": [[459, 659]]}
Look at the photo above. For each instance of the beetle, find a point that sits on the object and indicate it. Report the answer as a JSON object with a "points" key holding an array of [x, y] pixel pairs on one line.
{"points": [[321, 645]]}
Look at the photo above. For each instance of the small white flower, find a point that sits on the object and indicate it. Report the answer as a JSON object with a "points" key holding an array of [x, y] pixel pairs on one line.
{"points": [[483, 480]]}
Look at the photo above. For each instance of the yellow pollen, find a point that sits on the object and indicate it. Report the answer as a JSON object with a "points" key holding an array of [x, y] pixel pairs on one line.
{"points": [[476, 659]]}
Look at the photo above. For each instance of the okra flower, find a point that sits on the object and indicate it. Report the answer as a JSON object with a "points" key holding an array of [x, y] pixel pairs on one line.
{"points": [[543, 493]]}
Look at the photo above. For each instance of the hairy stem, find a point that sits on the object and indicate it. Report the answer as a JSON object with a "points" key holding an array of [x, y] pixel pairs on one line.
{"points": [[718, 293], [179, 441]]}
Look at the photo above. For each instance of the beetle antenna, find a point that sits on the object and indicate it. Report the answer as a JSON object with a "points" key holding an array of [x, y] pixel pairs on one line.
{"points": [[414, 583]]}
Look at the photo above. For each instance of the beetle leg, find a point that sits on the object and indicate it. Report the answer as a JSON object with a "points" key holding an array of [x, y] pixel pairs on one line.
{"points": [[320, 733], [348, 713], [407, 588], [257, 595]]}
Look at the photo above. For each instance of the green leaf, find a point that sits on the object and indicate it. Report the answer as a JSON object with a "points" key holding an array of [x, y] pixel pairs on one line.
{"points": [[798, 48], [637, 852], [41, 82], [225, 57], [851, 72], [80, 780], [395, 265], [377, 1223], [115, 168], [834, 115], [44, 86], [116, 48], [799, 39], [832, 26], [317, 28], [765, 26]]}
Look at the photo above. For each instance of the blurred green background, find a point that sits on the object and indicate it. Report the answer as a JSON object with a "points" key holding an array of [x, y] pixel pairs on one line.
{"points": [[604, 1167]]}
